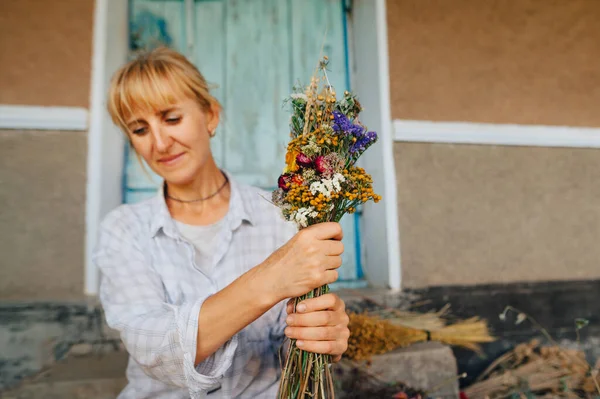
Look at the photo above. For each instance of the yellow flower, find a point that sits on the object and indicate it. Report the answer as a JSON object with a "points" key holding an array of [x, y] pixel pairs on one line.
{"points": [[290, 161]]}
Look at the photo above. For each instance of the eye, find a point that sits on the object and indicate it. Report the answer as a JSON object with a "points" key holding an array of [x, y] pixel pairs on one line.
{"points": [[139, 130], [173, 120]]}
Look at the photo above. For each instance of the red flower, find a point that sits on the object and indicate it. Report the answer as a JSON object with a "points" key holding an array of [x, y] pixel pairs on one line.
{"points": [[284, 182], [303, 160], [320, 164]]}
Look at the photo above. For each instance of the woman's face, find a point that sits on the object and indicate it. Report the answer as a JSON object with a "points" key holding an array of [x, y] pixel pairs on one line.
{"points": [[175, 141]]}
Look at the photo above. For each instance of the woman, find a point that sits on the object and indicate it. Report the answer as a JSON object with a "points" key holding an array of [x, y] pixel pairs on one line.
{"points": [[196, 278]]}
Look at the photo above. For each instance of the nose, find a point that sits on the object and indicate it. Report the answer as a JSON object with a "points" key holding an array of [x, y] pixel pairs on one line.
{"points": [[162, 140]]}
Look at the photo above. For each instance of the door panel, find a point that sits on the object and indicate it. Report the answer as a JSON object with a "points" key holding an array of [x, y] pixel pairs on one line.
{"points": [[252, 52]]}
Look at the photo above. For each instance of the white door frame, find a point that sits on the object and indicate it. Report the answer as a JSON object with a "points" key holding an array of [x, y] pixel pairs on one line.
{"points": [[380, 238], [105, 141], [379, 232]]}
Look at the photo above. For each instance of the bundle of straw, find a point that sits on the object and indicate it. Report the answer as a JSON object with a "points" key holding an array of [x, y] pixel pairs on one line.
{"points": [[371, 335], [533, 369]]}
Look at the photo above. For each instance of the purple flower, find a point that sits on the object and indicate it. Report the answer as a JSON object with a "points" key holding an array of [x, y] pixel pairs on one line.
{"points": [[363, 142], [361, 138], [341, 124], [303, 160]]}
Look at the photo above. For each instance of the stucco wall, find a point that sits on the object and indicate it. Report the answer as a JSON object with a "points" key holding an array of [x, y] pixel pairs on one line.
{"points": [[474, 214], [45, 52], [42, 203], [45, 58], [500, 61]]}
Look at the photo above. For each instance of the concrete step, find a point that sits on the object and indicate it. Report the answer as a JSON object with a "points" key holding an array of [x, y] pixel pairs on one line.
{"points": [[427, 366], [31, 340], [90, 376], [34, 336]]}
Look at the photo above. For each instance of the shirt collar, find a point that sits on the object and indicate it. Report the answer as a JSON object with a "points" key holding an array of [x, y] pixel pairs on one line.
{"points": [[240, 210]]}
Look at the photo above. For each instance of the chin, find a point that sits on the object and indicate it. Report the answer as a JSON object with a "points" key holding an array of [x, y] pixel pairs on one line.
{"points": [[181, 177]]}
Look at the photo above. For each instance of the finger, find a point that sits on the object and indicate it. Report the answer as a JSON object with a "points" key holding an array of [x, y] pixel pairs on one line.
{"points": [[324, 347], [331, 262], [330, 276], [314, 333], [315, 319], [327, 231], [322, 302], [336, 359], [334, 248]]}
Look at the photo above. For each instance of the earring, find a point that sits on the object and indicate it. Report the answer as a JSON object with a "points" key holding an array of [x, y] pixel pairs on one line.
{"points": [[212, 133]]}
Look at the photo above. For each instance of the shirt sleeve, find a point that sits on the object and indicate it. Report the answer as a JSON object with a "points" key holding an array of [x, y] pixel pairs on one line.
{"points": [[159, 336], [286, 231]]}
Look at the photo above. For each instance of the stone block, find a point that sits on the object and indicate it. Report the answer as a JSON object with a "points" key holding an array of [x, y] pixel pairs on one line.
{"points": [[428, 366]]}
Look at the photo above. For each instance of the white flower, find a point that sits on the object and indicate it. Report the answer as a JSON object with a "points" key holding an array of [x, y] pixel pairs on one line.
{"points": [[328, 186], [337, 179], [299, 95], [328, 183], [319, 187], [301, 216]]}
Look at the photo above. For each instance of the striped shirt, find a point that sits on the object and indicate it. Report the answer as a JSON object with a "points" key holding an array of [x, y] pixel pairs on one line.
{"points": [[152, 290]]}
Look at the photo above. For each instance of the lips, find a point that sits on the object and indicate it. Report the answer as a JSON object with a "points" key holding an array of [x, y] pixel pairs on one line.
{"points": [[170, 158]]}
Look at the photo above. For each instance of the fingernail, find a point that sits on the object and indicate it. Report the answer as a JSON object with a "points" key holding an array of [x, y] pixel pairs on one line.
{"points": [[299, 344], [301, 307], [289, 320]]}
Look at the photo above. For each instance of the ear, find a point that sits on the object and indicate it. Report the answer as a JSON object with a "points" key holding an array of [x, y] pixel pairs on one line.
{"points": [[213, 116]]}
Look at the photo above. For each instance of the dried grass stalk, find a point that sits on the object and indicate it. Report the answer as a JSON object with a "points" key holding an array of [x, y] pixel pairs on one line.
{"points": [[371, 335], [552, 371], [306, 374]]}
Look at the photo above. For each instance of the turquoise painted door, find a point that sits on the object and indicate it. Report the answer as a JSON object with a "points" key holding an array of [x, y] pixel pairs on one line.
{"points": [[253, 52]]}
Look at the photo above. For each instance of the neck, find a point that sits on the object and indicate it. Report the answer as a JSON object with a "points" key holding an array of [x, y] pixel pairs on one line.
{"points": [[208, 181]]}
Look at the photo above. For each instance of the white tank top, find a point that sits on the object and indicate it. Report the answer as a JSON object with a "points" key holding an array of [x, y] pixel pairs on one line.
{"points": [[204, 239]]}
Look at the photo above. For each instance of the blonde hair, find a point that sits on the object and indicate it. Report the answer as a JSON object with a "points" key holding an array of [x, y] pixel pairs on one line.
{"points": [[154, 80]]}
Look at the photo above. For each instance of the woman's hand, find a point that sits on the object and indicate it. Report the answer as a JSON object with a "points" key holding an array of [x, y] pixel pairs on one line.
{"points": [[307, 261], [320, 325]]}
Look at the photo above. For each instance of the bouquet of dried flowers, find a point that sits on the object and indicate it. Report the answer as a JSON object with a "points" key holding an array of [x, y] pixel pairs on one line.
{"points": [[320, 183]]}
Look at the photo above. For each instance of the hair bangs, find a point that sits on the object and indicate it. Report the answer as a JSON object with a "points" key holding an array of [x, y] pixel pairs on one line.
{"points": [[154, 81], [146, 88]]}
